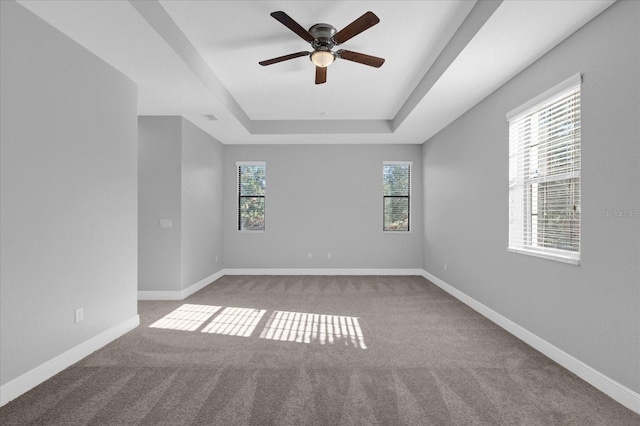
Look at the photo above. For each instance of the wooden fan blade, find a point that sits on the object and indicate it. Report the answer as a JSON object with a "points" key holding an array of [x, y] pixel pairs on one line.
{"points": [[361, 58], [283, 58], [364, 22], [321, 75], [288, 22]]}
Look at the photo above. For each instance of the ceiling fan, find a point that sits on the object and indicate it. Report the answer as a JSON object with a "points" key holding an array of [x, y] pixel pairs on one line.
{"points": [[323, 38]]}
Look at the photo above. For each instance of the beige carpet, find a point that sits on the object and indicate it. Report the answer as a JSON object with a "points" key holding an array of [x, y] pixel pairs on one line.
{"points": [[307, 350]]}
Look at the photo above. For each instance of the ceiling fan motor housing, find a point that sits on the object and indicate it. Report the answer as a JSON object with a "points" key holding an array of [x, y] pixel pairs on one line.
{"points": [[323, 34]]}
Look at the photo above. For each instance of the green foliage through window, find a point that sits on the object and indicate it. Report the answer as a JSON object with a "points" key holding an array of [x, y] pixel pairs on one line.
{"points": [[396, 182], [251, 196]]}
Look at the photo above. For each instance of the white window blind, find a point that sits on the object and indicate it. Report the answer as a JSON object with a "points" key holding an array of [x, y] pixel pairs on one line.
{"points": [[544, 174], [396, 183], [251, 196]]}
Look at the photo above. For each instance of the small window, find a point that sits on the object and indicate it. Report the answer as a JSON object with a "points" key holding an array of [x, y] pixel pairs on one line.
{"points": [[396, 184], [251, 196], [544, 174]]}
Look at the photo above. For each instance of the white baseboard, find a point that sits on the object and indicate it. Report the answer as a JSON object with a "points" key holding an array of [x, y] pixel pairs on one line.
{"points": [[201, 284], [322, 271], [160, 295], [34, 377], [605, 384], [180, 294]]}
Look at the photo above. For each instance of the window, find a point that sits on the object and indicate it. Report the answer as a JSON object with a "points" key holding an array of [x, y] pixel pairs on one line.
{"points": [[251, 193], [396, 184], [544, 174]]}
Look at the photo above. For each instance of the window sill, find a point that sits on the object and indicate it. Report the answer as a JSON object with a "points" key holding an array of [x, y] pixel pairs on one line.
{"points": [[547, 255]]}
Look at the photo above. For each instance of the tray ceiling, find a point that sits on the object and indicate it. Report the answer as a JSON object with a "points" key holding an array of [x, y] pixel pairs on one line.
{"points": [[200, 58]]}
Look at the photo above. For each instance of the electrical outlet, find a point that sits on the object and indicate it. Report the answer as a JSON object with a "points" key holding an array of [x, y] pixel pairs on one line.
{"points": [[79, 314], [329, 256], [444, 265], [309, 256]]}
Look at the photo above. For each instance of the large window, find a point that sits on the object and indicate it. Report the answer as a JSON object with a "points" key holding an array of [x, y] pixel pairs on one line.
{"points": [[396, 184], [544, 174], [251, 194]]}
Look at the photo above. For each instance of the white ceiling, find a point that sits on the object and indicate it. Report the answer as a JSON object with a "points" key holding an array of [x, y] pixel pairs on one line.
{"points": [[193, 58]]}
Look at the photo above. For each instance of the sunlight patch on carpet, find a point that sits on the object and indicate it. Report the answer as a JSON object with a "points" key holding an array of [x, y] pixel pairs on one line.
{"points": [[187, 317], [284, 326], [303, 327], [235, 322]]}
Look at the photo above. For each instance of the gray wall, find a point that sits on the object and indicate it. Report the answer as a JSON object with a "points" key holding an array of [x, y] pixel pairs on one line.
{"points": [[319, 200], [68, 194], [159, 197], [202, 240], [591, 311], [180, 178]]}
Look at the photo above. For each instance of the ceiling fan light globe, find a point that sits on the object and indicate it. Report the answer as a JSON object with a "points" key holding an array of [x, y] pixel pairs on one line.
{"points": [[322, 58]]}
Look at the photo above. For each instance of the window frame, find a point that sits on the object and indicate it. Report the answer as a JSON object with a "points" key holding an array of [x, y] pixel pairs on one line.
{"points": [[408, 196], [525, 175], [240, 196]]}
